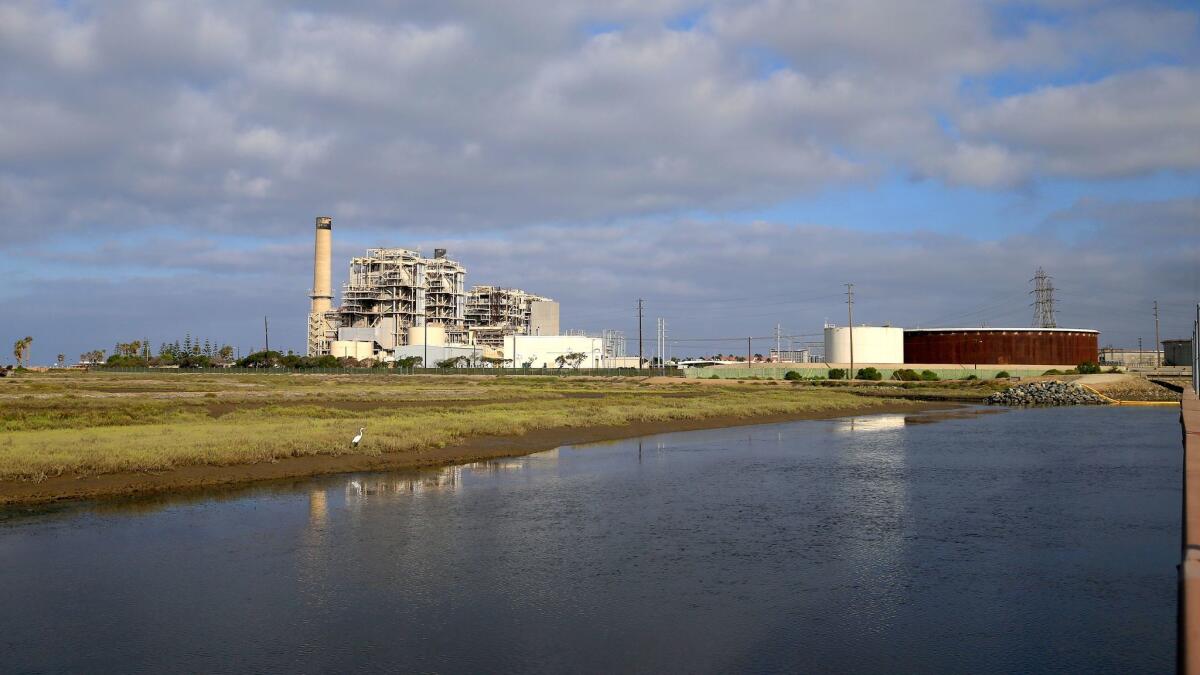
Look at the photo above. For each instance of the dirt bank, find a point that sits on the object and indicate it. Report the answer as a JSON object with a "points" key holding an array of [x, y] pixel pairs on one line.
{"points": [[470, 450]]}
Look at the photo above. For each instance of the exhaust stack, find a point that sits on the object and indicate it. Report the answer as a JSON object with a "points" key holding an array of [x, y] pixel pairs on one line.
{"points": [[322, 288]]}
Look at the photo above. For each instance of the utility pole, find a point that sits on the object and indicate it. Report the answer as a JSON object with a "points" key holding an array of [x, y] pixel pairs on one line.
{"points": [[266, 335], [778, 339], [1157, 341], [749, 355], [850, 319], [662, 345], [640, 313]]}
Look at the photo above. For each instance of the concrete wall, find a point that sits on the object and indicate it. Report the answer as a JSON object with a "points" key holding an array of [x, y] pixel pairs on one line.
{"points": [[541, 350], [543, 317], [872, 344]]}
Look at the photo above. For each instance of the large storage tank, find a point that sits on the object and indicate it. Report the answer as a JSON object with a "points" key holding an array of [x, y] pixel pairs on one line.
{"points": [[872, 344], [1033, 346], [437, 335]]}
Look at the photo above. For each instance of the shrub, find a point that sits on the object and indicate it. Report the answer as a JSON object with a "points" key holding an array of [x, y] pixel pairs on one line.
{"points": [[408, 361], [869, 373], [792, 375], [1087, 368], [837, 374], [1002, 375], [972, 376], [929, 376], [906, 375]]}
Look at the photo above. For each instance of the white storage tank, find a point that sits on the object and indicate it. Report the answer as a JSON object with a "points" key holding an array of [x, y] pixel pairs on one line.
{"points": [[435, 331], [872, 344]]}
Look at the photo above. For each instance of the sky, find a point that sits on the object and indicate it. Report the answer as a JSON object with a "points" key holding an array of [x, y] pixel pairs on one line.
{"points": [[733, 164]]}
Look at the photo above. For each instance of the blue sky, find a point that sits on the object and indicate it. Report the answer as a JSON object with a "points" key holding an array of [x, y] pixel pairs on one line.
{"points": [[732, 163]]}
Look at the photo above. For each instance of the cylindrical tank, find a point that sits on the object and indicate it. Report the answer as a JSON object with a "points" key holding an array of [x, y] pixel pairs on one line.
{"points": [[872, 344], [437, 335], [1001, 346], [322, 288]]}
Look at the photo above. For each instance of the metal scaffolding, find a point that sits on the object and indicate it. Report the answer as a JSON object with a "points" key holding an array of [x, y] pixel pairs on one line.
{"points": [[393, 289], [492, 312]]}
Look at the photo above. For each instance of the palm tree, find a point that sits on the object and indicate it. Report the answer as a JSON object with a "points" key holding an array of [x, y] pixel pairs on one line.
{"points": [[21, 350]]}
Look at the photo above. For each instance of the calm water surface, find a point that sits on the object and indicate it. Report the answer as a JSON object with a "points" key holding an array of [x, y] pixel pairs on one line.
{"points": [[1025, 541]]}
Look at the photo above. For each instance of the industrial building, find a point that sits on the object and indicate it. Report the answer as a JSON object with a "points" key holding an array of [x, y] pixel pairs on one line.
{"points": [[390, 290], [1130, 358], [1177, 352], [1001, 346], [396, 297], [397, 303], [493, 312], [543, 351], [872, 344]]}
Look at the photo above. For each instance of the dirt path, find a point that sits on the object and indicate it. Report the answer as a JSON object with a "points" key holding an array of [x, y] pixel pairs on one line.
{"points": [[470, 450]]}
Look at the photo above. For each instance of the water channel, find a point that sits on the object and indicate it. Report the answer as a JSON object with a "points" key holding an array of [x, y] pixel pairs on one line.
{"points": [[977, 541]]}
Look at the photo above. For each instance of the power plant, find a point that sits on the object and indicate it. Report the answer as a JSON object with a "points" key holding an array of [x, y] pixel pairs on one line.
{"points": [[398, 303]]}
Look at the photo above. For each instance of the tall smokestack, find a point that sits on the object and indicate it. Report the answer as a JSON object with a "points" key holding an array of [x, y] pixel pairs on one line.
{"points": [[322, 288]]}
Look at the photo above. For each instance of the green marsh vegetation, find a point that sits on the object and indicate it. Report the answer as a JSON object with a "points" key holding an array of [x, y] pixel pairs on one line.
{"points": [[79, 423]]}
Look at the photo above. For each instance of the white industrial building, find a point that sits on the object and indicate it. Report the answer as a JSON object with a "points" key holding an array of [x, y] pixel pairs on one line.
{"points": [[872, 344], [543, 351]]}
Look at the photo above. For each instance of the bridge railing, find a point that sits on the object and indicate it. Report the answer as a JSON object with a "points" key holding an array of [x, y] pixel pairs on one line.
{"points": [[1189, 566]]}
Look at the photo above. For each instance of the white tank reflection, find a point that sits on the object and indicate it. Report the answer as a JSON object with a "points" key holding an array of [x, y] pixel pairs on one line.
{"points": [[872, 423], [445, 480], [318, 508]]}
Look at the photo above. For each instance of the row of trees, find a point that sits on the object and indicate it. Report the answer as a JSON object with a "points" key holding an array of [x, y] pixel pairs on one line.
{"points": [[188, 353]]}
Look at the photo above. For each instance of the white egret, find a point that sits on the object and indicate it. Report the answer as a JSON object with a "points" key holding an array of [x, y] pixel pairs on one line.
{"points": [[355, 441]]}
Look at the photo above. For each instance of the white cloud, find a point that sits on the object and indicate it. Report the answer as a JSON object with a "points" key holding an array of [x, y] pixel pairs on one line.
{"points": [[1126, 124]]}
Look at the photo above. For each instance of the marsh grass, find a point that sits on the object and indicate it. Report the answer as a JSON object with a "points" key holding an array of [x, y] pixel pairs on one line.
{"points": [[54, 434]]}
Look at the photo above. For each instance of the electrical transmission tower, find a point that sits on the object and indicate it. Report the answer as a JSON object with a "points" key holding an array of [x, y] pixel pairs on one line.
{"points": [[1043, 303]]}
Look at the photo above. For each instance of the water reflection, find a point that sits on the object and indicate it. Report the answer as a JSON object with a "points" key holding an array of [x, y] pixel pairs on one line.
{"points": [[445, 480], [318, 509], [1032, 541], [874, 423]]}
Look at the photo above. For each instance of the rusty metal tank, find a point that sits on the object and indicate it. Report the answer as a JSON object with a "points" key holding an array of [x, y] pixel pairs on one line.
{"points": [[1042, 346]]}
